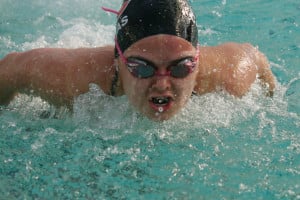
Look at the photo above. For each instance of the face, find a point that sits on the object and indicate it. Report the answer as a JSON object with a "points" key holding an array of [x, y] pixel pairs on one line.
{"points": [[161, 96]]}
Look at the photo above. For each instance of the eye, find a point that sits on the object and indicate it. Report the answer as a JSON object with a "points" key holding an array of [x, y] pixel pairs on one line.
{"points": [[140, 68], [182, 68]]}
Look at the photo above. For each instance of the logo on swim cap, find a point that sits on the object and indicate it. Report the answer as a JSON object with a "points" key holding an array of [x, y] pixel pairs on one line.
{"points": [[122, 22], [138, 19]]}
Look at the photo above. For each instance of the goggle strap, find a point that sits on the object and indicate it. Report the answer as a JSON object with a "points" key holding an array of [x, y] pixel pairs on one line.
{"points": [[110, 10], [114, 11], [120, 52]]}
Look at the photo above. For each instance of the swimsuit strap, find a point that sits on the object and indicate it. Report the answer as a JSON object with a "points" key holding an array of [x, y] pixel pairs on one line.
{"points": [[114, 83]]}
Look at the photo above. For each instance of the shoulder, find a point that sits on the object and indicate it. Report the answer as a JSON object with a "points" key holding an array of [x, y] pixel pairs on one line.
{"points": [[231, 66], [227, 54]]}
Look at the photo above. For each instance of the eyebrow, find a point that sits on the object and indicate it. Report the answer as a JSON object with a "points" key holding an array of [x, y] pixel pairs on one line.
{"points": [[173, 62]]}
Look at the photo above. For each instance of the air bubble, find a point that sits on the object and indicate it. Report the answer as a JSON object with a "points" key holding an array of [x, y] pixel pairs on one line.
{"points": [[160, 109]]}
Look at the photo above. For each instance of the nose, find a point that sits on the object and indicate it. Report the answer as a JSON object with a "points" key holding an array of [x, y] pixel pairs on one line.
{"points": [[161, 83]]}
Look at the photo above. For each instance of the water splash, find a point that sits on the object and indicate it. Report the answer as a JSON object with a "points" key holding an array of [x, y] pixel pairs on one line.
{"points": [[242, 148], [293, 96]]}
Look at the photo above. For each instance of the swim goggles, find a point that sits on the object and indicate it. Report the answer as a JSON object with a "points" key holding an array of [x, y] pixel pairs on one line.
{"points": [[143, 69]]}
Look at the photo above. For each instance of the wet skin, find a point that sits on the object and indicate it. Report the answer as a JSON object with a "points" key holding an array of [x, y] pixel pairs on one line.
{"points": [[59, 75]]}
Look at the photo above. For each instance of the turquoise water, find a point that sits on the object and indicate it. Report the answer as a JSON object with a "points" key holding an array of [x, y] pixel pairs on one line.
{"points": [[218, 147]]}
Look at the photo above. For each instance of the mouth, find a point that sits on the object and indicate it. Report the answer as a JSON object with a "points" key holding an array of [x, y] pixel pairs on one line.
{"points": [[161, 103]]}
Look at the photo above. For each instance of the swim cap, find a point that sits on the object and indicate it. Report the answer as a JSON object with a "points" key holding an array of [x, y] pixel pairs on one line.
{"points": [[138, 19]]}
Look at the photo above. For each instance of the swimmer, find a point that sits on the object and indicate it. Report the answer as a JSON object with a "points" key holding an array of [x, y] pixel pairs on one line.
{"points": [[156, 62]]}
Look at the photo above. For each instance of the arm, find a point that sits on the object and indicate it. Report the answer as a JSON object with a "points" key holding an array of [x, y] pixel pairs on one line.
{"points": [[7, 81], [56, 75], [264, 72], [233, 67]]}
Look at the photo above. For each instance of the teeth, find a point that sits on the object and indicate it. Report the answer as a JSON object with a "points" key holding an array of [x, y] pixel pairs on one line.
{"points": [[160, 100]]}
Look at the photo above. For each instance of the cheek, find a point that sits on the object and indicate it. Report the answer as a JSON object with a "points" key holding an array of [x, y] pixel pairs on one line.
{"points": [[129, 86], [127, 80], [134, 89], [184, 91], [187, 85]]}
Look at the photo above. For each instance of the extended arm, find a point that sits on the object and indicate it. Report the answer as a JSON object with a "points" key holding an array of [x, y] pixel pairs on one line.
{"points": [[56, 75]]}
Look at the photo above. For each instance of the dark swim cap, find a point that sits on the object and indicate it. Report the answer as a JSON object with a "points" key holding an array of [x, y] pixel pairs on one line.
{"points": [[138, 19]]}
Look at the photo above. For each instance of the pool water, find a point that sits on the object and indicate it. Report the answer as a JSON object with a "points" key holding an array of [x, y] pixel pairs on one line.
{"points": [[218, 147]]}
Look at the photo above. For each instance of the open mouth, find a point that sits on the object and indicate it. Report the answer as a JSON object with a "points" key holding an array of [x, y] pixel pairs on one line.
{"points": [[161, 103]]}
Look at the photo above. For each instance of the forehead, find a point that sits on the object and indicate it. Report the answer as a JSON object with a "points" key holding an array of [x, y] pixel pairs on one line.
{"points": [[161, 46]]}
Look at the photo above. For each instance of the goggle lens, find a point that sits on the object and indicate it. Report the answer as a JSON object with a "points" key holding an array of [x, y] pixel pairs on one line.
{"points": [[141, 69]]}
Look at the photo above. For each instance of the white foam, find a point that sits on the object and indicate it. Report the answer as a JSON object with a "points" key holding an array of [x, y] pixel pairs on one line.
{"points": [[97, 110], [206, 31], [206, 112], [80, 34]]}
